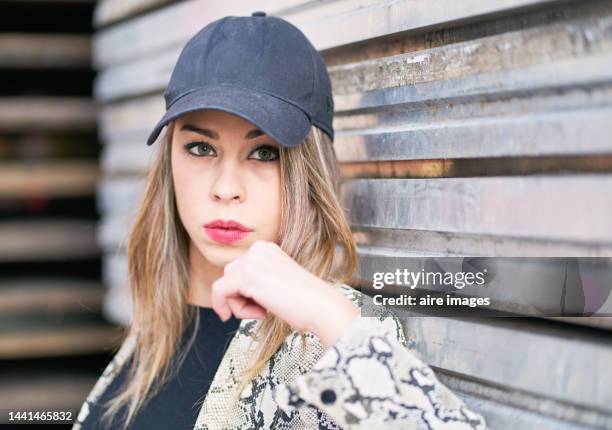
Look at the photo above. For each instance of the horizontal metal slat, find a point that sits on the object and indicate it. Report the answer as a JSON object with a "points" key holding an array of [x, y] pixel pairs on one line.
{"points": [[517, 409], [53, 296], [44, 50], [109, 11], [37, 391], [48, 179], [553, 133], [47, 240], [560, 74], [19, 114], [398, 242], [58, 341], [544, 207]]}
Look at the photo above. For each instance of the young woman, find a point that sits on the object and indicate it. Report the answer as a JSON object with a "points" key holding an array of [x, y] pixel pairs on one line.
{"points": [[239, 260]]}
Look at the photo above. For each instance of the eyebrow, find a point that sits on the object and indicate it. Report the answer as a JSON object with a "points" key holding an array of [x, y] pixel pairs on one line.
{"points": [[214, 135]]}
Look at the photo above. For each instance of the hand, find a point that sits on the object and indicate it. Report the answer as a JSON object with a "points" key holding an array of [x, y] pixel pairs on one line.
{"points": [[265, 279]]}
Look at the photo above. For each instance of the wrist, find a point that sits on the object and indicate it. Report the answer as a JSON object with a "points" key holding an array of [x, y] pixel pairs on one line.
{"points": [[333, 317]]}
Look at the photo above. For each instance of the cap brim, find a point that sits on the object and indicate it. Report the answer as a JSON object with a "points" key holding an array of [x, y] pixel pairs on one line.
{"points": [[282, 121]]}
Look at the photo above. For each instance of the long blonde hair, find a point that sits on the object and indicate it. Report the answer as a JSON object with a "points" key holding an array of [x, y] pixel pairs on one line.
{"points": [[314, 232]]}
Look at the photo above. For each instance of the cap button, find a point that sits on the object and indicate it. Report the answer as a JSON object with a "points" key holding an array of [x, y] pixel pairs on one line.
{"points": [[258, 13]]}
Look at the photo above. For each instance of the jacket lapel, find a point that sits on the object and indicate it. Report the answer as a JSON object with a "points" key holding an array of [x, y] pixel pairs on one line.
{"points": [[216, 411]]}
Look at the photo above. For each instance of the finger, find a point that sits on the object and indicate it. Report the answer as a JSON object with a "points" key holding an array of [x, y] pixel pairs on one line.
{"points": [[234, 283], [233, 286], [244, 308], [221, 290]]}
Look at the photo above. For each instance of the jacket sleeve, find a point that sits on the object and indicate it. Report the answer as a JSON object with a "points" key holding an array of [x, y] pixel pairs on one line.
{"points": [[370, 379]]}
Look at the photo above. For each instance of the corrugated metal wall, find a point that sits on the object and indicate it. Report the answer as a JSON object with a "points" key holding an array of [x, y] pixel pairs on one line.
{"points": [[473, 127]]}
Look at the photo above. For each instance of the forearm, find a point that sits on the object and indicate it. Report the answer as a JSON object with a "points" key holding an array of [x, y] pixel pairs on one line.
{"points": [[369, 378]]}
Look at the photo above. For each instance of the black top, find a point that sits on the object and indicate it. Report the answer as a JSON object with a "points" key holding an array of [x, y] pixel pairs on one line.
{"points": [[170, 407]]}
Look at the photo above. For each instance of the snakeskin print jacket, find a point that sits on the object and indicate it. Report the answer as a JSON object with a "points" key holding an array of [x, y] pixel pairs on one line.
{"points": [[369, 379]]}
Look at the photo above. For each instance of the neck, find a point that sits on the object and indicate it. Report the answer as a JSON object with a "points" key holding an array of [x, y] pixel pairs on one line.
{"points": [[201, 276]]}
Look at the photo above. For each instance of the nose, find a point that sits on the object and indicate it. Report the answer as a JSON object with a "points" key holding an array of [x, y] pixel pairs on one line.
{"points": [[227, 183]]}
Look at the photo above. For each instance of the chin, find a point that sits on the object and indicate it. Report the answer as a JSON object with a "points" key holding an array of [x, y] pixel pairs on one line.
{"points": [[219, 254]]}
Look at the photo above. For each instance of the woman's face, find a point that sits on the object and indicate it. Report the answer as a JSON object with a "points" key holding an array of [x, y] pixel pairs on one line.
{"points": [[224, 168]]}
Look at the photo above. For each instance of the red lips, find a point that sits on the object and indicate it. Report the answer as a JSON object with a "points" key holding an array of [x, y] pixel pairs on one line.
{"points": [[226, 231], [230, 224]]}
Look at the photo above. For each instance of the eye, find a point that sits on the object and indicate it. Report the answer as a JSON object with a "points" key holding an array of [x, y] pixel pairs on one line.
{"points": [[266, 152], [199, 149]]}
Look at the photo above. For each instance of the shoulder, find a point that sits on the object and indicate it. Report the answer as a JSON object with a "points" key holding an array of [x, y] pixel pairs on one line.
{"points": [[108, 374]]}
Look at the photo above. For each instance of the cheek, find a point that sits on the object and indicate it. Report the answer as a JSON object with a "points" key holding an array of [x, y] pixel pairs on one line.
{"points": [[185, 190], [266, 201]]}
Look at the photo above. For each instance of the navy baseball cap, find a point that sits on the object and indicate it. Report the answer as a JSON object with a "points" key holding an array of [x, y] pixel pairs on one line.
{"points": [[261, 68]]}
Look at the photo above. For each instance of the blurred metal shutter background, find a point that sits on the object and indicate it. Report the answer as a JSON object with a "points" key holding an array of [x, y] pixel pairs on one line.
{"points": [[475, 127], [54, 340]]}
